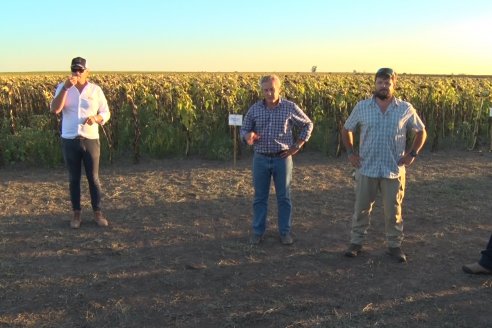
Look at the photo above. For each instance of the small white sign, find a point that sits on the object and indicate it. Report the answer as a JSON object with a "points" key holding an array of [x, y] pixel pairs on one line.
{"points": [[235, 119], [490, 111]]}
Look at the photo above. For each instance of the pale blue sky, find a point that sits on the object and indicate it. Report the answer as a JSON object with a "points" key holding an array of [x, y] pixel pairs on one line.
{"points": [[439, 37]]}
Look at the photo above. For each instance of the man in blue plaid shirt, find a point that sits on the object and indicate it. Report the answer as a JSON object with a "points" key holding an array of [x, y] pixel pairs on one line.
{"points": [[383, 121], [267, 126]]}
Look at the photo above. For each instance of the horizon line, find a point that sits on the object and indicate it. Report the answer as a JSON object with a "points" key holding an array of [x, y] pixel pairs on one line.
{"points": [[236, 72]]}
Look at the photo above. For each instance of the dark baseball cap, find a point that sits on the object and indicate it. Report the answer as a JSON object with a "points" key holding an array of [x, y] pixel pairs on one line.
{"points": [[386, 73], [79, 62]]}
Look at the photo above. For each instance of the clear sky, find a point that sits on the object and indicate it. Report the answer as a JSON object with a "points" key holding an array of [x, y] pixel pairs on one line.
{"points": [[417, 36]]}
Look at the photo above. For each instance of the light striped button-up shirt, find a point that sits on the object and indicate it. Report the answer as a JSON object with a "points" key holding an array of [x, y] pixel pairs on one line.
{"points": [[275, 125], [383, 135]]}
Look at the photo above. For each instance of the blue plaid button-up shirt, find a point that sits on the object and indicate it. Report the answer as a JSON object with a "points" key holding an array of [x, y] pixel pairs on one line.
{"points": [[275, 125], [383, 135]]}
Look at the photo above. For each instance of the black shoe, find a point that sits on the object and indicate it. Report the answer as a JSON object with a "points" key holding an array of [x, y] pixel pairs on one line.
{"points": [[397, 254], [286, 239], [256, 239], [476, 268], [353, 250]]}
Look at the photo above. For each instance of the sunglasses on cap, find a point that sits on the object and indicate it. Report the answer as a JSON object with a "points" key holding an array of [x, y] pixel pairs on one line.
{"points": [[385, 71], [78, 70]]}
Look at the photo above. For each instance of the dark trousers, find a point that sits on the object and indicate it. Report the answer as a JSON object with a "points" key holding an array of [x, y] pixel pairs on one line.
{"points": [[486, 258], [76, 152]]}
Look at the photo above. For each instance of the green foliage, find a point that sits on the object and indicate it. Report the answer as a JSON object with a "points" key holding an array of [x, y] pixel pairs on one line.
{"points": [[218, 147], [187, 114], [31, 145]]}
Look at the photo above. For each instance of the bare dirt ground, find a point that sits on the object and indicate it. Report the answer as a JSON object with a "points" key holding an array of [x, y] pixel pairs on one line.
{"points": [[176, 253]]}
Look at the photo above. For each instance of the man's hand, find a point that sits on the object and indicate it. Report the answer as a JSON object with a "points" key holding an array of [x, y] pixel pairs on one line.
{"points": [[251, 137], [91, 120], [354, 159], [289, 152], [70, 82], [406, 160]]}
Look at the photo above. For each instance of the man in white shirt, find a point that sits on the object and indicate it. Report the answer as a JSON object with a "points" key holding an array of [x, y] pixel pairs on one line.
{"points": [[84, 107]]}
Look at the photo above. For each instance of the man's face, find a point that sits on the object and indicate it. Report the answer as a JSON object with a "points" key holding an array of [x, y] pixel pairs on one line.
{"points": [[384, 88], [81, 74], [271, 91]]}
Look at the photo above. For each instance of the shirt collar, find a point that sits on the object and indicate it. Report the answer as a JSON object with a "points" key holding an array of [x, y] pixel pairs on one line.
{"points": [[279, 102], [395, 101]]}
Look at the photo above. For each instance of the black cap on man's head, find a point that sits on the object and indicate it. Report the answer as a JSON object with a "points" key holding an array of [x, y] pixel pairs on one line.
{"points": [[386, 73], [79, 62]]}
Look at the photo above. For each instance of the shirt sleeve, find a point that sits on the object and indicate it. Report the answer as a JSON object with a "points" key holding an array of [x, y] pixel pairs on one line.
{"points": [[248, 123], [353, 119], [58, 89], [303, 122], [415, 123]]}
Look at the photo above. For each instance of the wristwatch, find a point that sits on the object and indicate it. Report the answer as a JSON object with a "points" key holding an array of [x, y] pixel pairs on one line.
{"points": [[413, 153], [296, 146]]}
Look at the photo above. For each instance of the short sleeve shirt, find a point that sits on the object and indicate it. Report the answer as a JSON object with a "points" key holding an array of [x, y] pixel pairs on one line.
{"points": [[383, 135]]}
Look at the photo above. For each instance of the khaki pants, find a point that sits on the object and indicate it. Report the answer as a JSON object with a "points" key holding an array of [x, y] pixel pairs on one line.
{"points": [[392, 191]]}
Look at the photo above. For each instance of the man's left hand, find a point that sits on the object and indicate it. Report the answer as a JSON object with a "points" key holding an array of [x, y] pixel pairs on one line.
{"points": [[289, 152], [406, 160], [91, 120]]}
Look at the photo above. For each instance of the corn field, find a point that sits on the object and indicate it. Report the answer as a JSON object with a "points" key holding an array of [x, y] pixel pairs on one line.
{"points": [[186, 114]]}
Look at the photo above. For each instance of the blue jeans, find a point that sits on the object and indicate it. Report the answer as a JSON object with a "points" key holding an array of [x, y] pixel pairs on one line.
{"points": [[264, 168], [486, 258], [76, 152]]}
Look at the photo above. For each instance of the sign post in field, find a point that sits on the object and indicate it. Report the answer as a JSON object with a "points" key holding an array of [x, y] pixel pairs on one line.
{"points": [[235, 120]]}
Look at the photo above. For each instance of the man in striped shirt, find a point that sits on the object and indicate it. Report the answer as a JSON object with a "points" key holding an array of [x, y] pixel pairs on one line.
{"points": [[383, 121], [268, 126]]}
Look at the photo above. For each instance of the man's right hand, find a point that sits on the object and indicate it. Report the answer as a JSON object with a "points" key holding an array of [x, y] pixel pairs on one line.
{"points": [[71, 81], [354, 160], [251, 137]]}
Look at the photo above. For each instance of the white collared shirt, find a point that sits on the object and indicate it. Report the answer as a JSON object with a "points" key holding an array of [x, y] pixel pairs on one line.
{"points": [[78, 107]]}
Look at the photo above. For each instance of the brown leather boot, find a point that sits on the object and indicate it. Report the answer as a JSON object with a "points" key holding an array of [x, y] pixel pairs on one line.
{"points": [[76, 220], [100, 219], [353, 250]]}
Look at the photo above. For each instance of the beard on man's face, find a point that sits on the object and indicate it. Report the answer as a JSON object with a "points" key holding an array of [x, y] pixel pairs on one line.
{"points": [[382, 94]]}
